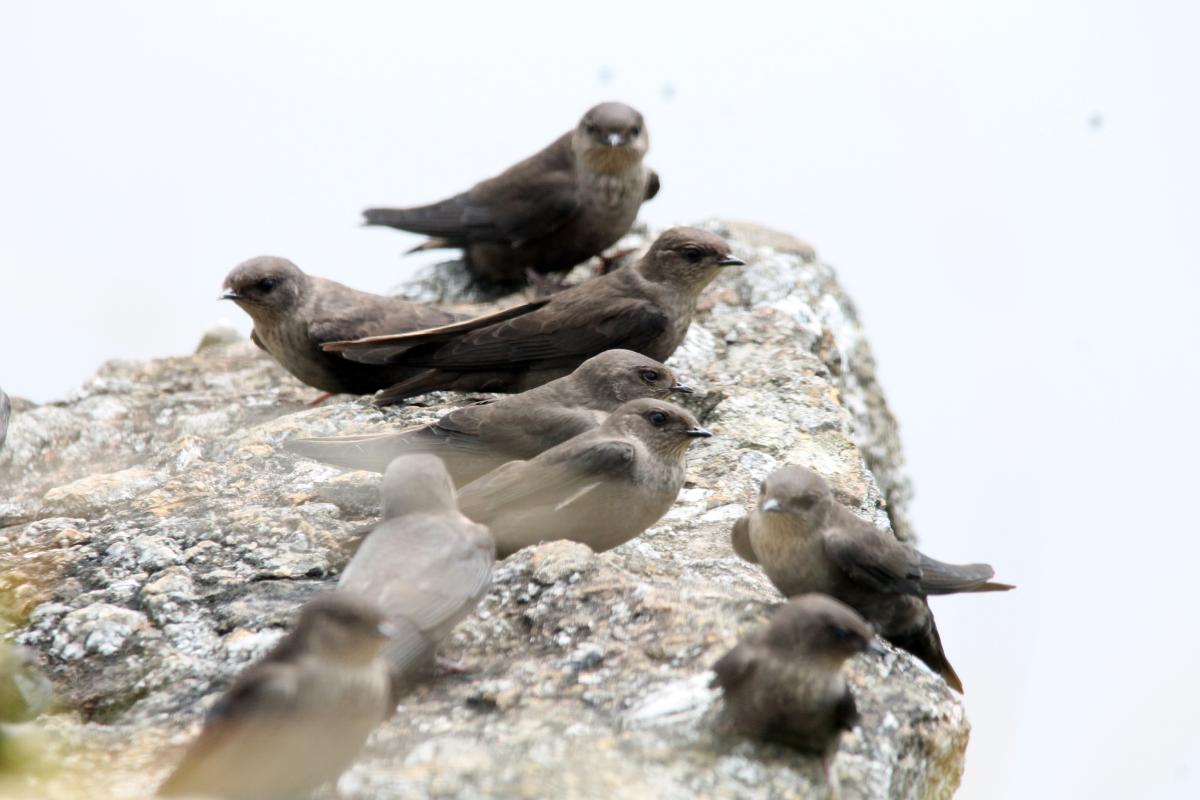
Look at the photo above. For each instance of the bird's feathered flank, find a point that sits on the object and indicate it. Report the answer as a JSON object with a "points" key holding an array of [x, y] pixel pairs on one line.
{"points": [[646, 308], [564, 204]]}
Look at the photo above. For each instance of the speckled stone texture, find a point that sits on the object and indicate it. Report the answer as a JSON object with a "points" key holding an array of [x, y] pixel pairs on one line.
{"points": [[155, 538]]}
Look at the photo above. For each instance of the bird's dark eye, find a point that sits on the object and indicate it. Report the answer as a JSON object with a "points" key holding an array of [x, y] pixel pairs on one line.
{"points": [[840, 633], [657, 418], [806, 500], [635, 131], [693, 254], [265, 285], [650, 375], [591, 128]]}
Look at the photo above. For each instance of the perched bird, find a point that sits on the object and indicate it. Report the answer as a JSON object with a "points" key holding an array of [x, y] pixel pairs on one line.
{"points": [[294, 314], [476, 439], [560, 207], [806, 541], [784, 683], [646, 307], [5, 412], [297, 718], [425, 565], [601, 488]]}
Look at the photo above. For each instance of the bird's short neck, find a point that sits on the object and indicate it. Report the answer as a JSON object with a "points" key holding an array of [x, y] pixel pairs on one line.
{"points": [[607, 160]]}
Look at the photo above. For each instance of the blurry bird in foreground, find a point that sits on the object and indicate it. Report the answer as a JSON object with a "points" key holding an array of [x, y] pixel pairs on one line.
{"points": [[646, 307], [297, 718], [425, 565], [806, 541], [784, 682], [601, 488], [558, 208], [476, 439]]}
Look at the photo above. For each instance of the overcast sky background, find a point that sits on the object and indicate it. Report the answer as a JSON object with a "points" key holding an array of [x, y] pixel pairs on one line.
{"points": [[1009, 191]]}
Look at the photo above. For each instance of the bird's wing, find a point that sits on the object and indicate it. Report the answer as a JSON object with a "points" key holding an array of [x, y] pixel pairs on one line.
{"points": [[424, 567], [741, 540], [938, 577], [629, 323], [467, 420], [555, 479], [652, 185], [382, 348], [734, 668], [874, 559], [375, 316], [266, 690], [527, 201], [374, 451]]}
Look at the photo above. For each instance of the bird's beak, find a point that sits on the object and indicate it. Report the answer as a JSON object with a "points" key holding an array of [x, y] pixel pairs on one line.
{"points": [[229, 294], [679, 387], [699, 433], [730, 261], [876, 648], [615, 139], [771, 504]]}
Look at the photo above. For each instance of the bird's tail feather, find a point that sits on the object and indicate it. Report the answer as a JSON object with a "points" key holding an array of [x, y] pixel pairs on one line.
{"points": [[372, 451], [938, 577], [926, 644], [394, 217], [427, 381], [430, 244]]}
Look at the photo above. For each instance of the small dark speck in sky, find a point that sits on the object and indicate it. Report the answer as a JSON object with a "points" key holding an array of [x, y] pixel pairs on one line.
{"points": [[605, 75], [668, 92], [1096, 121]]}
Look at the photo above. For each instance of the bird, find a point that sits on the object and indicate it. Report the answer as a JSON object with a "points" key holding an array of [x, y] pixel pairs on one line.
{"points": [[569, 202], [475, 439], [295, 313], [645, 307], [601, 488], [783, 682], [806, 541], [5, 412], [425, 565], [297, 718]]}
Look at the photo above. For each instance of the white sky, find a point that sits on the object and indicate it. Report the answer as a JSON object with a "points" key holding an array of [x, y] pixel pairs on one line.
{"points": [[1029, 279]]}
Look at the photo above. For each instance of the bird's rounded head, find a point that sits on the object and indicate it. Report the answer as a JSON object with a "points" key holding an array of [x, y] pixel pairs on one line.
{"points": [[661, 426], [687, 257], [266, 287], [618, 376], [611, 137], [797, 494]]}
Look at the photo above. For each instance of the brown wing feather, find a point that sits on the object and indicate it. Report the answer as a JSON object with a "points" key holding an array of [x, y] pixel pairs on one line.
{"points": [[741, 540], [870, 558], [528, 200]]}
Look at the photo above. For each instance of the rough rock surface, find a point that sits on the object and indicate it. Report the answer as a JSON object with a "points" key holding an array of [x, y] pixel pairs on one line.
{"points": [[155, 538]]}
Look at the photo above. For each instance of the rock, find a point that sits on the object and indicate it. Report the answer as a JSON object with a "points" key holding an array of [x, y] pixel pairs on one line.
{"points": [[556, 561], [155, 538], [221, 334]]}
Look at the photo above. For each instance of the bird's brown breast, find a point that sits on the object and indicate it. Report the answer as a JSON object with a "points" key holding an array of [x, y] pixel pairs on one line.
{"points": [[793, 559]]}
